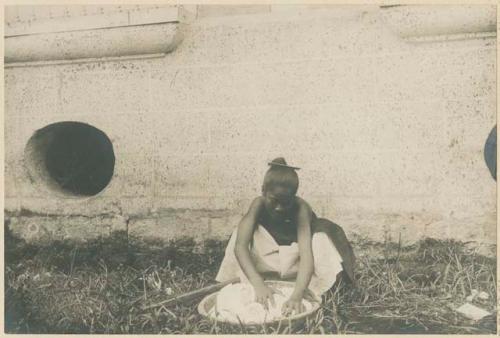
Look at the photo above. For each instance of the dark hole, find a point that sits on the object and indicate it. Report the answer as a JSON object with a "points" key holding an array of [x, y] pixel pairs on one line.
{"points": [[490, 152], [77, 156]]}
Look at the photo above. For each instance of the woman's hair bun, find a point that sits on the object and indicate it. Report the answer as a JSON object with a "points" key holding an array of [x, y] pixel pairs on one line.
{"points": [[278, 160]]}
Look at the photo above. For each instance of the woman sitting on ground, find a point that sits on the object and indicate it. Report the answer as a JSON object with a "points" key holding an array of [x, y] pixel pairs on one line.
{"points": [[280, 236]]}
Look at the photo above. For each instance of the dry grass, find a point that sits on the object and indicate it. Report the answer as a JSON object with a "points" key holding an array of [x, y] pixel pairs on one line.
{"points": [[99, 287]]}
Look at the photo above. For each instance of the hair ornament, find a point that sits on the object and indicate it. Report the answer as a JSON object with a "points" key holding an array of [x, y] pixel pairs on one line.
{"points": [[280, 162]]}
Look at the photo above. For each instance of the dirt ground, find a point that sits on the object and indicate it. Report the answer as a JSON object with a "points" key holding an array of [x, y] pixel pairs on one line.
{"points": [[102, 285]]}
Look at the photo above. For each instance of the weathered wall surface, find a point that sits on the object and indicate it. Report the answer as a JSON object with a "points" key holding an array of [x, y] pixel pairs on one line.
{"points": [[389, 132]]}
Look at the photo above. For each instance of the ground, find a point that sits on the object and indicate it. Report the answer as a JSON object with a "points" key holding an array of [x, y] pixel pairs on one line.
{"points": [[101, 286]]}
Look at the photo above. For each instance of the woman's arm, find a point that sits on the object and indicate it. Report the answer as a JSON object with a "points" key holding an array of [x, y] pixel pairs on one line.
{"points": [[246, 228], [306, 262]]}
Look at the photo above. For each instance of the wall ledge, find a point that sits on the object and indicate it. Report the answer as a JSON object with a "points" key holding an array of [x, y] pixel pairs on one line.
{"points": [[115, 35], [423, 23]]}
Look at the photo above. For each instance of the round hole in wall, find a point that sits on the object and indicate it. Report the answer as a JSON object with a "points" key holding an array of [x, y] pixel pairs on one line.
{"points": [[490, 152], [70, 158]]}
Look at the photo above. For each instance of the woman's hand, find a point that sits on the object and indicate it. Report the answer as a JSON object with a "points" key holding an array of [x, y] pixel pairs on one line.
{"points": [[293, 304], [265, 294]]}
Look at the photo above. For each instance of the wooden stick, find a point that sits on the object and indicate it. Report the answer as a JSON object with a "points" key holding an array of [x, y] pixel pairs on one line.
{"points": [[188, 296]]}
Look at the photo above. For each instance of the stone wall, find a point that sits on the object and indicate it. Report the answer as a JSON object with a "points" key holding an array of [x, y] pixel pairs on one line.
{"points": [[389, 127]]}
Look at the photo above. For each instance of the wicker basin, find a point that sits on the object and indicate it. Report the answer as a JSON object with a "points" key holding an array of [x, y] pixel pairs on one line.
{"points": [[209, 302]]}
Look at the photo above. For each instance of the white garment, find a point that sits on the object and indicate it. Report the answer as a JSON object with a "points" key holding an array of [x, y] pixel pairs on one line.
{"points": [[268, 256], [236, 302]]}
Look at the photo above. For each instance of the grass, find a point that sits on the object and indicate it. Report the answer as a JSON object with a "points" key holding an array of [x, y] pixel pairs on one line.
{"points": [[100, 286]]}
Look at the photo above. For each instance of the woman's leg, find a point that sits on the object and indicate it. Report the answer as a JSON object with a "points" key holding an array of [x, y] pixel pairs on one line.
{"points": [[327, 263], [264, 253], [339, 239]]}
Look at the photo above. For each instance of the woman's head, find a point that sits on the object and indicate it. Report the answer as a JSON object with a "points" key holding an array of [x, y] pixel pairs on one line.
{"points": [[281, 183], [281, 175]]}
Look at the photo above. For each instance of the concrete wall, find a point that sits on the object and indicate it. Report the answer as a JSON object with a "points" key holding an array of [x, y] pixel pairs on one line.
{"points": [[389, 132]]}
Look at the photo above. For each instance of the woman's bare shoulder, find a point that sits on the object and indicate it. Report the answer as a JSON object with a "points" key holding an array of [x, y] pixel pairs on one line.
{"points": [[256, 205], [302, 204], [259, 200]]}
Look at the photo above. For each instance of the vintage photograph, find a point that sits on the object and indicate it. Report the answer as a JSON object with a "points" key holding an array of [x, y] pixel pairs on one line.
{"points": [[250, 169]]}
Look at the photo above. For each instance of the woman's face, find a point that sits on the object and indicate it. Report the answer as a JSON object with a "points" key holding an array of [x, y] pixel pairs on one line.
{"points": [[279, 202]]}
